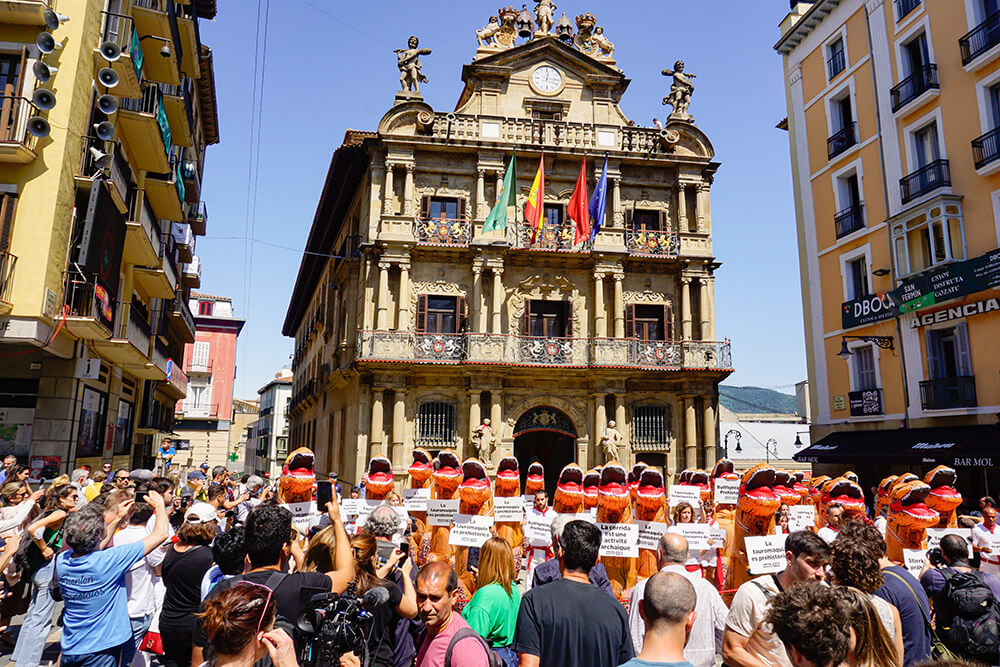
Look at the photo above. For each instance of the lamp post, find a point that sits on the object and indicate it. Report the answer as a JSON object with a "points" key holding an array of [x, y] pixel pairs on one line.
{"points": [[738, 435], [884, 342], [767, 450]]}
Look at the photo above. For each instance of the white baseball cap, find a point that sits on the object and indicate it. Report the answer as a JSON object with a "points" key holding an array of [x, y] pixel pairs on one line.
{"points": [[200, 513]]}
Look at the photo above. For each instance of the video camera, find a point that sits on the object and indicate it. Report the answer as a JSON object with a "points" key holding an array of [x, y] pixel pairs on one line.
{"points": [[336, 624]]}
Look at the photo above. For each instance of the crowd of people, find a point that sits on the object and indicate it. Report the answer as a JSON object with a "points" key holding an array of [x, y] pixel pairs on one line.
{"points": [[214, 571]]}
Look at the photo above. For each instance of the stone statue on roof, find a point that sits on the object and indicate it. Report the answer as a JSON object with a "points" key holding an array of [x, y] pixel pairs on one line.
{"points": [[681, 89], [409, 65], [543, 15], [603, 43]]}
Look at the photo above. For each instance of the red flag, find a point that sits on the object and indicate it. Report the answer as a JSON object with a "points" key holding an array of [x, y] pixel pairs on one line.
{"points": [[577, 207], [533, 208]]}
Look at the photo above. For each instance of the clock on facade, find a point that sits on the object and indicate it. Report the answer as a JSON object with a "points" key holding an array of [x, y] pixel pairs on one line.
{"points": [[546, 78]]}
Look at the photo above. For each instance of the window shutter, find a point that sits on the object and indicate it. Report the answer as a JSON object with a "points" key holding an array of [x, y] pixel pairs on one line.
{"points": [[964, 361], [664, 224], [199, 354], [461, 208], [668, 321], [933, 353], [630, 320], [21, 74], [422, 313], [527, 317], [568, 329], [460, 314], [425, 207], [628, 218]]}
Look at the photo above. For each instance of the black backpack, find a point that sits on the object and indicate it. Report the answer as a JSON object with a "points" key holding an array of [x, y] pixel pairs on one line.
{"points": [[970, 622]]}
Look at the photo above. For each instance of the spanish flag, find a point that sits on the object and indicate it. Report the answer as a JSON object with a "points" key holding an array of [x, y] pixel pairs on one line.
{"points": [[536, 196]]}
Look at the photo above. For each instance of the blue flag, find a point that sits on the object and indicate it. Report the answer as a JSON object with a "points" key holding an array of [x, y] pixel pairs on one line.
{"points": [[597, 202]]}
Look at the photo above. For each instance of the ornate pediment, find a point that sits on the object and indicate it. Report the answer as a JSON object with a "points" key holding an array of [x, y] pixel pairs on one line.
{"points": [[545, 285]]}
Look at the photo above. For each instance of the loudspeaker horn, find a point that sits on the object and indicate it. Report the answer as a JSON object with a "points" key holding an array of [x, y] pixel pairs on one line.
{"points": [[43, 99], [110, 51], [42, 71], [105, 131], [108, 77], [46, 42], [53, 20], [38, 127], [101, 159], [108, 104]]}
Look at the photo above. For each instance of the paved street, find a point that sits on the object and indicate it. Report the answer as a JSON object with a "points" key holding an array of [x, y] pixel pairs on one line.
{"points": [[51, 654]]}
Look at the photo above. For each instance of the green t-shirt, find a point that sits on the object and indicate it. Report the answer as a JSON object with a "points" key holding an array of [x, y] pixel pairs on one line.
{"points": [[493, 614]]}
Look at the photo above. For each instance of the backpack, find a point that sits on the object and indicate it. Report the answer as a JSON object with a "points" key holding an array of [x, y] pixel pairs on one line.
{"points": [[493, 660], [969, 624]]}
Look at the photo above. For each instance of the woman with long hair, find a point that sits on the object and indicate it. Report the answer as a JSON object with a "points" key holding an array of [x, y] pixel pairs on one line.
{"points": [[492, 611], [319, 553], [870, 643], [239, 622], [46, 533], [684, 513], [18, 506], [402, 602], [183, 568]]}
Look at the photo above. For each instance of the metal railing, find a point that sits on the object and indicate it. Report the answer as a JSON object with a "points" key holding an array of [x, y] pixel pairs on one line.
{"points": [[920, 81], [952, 392], [119, 29], [444, 231], [135, 329], [980, 39], [14, 114], [161, 355], [986, 148], [199, 367], [550, 237], [202, 410], [841, 140], [850, 219], [197, 215], [652, 242], [143, 214], [86, 298], [836, 63], [179, 306], [7, 264], [151, 103], [904, 7], [929, 177], [177, 378]]}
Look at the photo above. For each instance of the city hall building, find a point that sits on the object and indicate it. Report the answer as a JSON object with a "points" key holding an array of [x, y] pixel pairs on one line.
{"points": [[413, 325]]}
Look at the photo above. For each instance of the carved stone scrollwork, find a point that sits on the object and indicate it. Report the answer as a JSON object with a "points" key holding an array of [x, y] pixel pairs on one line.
{"points": [[647, 296]]}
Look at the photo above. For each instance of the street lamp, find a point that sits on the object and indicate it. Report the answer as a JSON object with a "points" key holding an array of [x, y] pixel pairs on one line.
{"points": [[725, 441], [884, 342], [165, 49], [798, 440], [767, 449]]}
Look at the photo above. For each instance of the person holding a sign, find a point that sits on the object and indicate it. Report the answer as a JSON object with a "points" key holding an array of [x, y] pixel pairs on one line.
{"points": [[540, 516], [985, 541], [684, 513]]}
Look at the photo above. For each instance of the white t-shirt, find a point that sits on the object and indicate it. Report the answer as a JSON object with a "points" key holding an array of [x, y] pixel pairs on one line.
{"points": [[880, 523], [983, 537], [139, 578], [746, 617], [828, 534]]}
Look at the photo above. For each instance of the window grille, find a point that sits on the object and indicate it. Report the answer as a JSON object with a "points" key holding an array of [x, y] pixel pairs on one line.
{"points": [[650, 427], [436, 424]]}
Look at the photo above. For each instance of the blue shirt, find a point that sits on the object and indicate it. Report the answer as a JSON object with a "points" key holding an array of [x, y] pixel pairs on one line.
{"points": [[902, 590], [170, 451], [93, 588]]}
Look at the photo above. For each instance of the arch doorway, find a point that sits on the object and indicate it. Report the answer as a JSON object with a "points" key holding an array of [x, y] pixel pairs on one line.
{"points": [[544, 434]]}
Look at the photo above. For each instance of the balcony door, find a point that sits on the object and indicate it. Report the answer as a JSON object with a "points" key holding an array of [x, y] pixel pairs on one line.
{"points": [[948, 354], [442, 208], [646, 220], [916, 55], [649, 322], [440, 314], [547, 319], [926, 146]]}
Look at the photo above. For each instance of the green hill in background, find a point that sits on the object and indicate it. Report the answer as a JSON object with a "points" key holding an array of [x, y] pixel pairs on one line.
{"points": [[756, 399]]}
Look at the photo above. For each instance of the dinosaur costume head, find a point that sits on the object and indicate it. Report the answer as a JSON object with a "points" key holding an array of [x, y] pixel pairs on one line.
{"points": [[815, 487], [944, 498], [882, 494], [297, 477], [536, 479], [613, 502], [685, 476], [591, 485], [651, 495], [569, 490], [908, 519], [845, 493], [699, 479], [633, 480], [474, 491], [757, 497], [447, 474], [798, 486], [421, 470], [378, 479], [724, 469], [507, 483], [783, 487]]}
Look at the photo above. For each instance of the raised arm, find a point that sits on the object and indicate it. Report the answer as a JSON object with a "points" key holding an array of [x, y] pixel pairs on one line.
{"points": [[343, 560], [160, 528]]}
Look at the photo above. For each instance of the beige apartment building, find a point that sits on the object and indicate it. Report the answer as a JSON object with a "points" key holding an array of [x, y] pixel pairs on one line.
{"points": [[418, 326]]}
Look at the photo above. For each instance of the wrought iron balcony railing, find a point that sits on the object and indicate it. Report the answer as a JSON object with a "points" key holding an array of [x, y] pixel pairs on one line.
{"points": [[841, 140], [945, 393], [835, 64], [986, 148], [439, 347], [14, 114], [929, 177], [923, 79], [119, 29], [980, 39], [551, 237], [655, 243], [135, 330], [850, 219]]}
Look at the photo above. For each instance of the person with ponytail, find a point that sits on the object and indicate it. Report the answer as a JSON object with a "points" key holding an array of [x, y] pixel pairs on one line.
{"points": [[870, 644], [402, 602], [239, 623]]}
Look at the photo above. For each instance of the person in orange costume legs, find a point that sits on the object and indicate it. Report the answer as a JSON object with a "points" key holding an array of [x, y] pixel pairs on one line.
{"points": [[754, 516], [421, 472], [614, 505], [447, 476]]}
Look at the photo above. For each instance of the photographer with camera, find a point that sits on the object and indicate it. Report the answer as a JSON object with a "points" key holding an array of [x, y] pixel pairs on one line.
{"points": [[240, 624], [402, 602], [967, 614]]}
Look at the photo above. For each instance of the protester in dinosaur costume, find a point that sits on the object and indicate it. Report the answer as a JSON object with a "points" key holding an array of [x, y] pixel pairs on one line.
{"points": [[651, 505], [784, 487], [535, 481], [754, 516], [882, 495], [378, 479], [846, 493], [725, 513], [684, 477], [475, 498], [944, 498], [507, 484], [633, 480], [444, 486], [908, 519], [298, 478], [421, 472], [614, 505], [591, 487], [799, 487], [568, 498], [816, 487], [700, 480]]}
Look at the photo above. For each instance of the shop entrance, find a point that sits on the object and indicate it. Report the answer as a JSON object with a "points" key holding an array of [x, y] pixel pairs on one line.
{"points": [[546, 435]]}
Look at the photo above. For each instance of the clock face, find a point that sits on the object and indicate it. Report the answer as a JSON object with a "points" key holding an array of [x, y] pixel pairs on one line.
{"points": [[546, 78]]}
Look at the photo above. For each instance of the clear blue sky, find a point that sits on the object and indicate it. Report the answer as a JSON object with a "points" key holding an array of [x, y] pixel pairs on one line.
{"points": [[330, 66]]}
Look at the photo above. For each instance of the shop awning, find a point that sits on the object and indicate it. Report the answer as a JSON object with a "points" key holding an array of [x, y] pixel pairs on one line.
{"points": [[958, 447]]}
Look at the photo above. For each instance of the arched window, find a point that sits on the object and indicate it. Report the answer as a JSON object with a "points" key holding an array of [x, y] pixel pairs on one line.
{"points": [[436, 424]]}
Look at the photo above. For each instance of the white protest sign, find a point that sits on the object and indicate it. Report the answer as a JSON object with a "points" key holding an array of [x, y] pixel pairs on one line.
{"points": [[727, 491], [696, 534], [349, 508], [801, 517], [303, 515], [470, 530], [691, 495], [538, 528], [415, 500], [765, 554], [365, 508], [934, 536], [508, 509], [650, 533], [913, 560], [529, 502], [440, 512], [620, 540], [718, 536]]}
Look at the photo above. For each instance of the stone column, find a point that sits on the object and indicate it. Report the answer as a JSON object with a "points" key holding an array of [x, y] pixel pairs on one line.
{"points": [[682, 211], [619, 306], [382, 313], [477, 299], [621, 424], [690, 434], [475, 419], [497, 299], [617, 215], [403, 311], [398, 428], [600, 321], [499, 183], [387, 190], [703, 307], [708, 428], [685, 308], [701, 196], [408, 190], [378, 430], [369, 295], [600, 423], [496, 416], [480, 194]]}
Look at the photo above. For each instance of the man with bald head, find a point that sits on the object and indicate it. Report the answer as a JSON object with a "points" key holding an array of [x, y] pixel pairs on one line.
{"points": [[437, 592], [667, 608], [709, 625]]}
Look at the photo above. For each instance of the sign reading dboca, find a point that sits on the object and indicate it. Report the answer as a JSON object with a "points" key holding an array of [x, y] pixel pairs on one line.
{"points": [[868, 309]]}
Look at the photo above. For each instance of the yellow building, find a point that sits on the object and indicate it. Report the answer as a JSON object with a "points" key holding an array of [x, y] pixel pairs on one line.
{"points": [[107, 108], [893, 117], [420, 325]]}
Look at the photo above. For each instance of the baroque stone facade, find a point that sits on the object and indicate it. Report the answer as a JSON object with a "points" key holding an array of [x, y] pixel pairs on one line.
{"points": [[413, 325]]}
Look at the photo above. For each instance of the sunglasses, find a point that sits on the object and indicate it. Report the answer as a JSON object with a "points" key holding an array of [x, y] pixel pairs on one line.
{"points": [[263, 611], [121, 479]]}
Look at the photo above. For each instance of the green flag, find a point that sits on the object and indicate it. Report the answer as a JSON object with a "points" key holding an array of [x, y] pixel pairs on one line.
{"points": [[497, 219]]}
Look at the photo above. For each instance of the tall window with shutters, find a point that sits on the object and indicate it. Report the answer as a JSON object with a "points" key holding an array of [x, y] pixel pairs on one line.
{"points": [[649, 330], [950, 383], [443, 221], [647, 232], [441, 321], [200, 357], [547, 319], [11, 91], [8, 203]]}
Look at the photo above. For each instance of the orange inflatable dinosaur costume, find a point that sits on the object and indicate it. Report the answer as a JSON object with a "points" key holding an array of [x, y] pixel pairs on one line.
{"points": [[633, 481], [784, 487], [421, 471], [476, 498], [724, 512], [908, 519], [700, 479], [799, 487], [535, 481], [378, 479], [298, 478], [651, 505], [882, 495], [568, 498], [591, 487], [507, 484], [846, 493], [754, 516], [614, 506], [447, 477], [944, 498]]}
